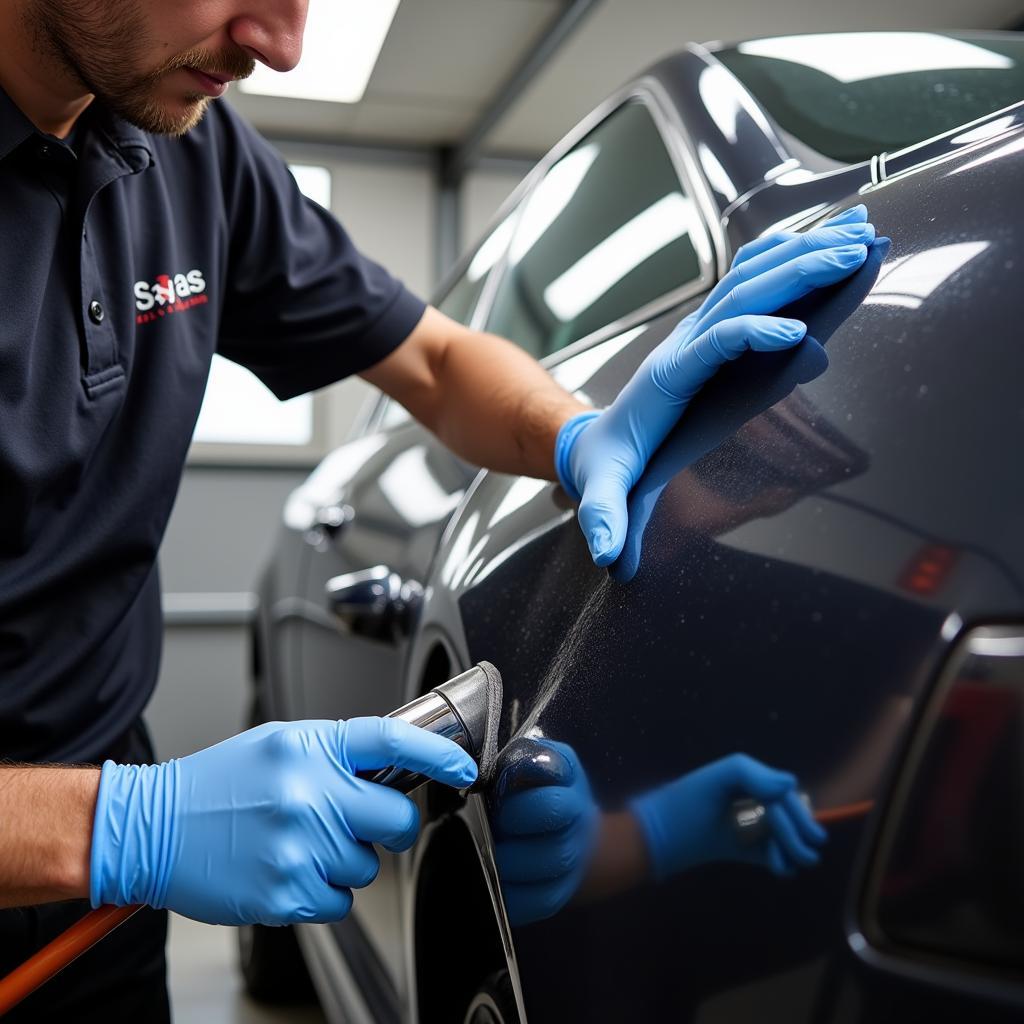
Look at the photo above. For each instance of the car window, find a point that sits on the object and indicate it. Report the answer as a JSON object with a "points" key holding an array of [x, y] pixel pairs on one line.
{"points": [[460, 301], [852, 95], [607, 230]]}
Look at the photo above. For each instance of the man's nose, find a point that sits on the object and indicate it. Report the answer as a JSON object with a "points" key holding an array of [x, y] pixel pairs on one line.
{"points": [[271, 32]]}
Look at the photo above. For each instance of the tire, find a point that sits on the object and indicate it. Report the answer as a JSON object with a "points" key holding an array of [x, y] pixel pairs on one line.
{"points": [[272, 966], [494, 1003]]}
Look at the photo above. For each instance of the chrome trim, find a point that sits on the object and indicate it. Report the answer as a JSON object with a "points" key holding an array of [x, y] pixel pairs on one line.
{"points": [[1009, 644]]}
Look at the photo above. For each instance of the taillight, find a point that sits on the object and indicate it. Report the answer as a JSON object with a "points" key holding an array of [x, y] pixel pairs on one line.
{"points": [[947, 881]]}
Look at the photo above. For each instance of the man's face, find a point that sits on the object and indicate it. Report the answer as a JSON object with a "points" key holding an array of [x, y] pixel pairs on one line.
{"points": [[147, 59]]}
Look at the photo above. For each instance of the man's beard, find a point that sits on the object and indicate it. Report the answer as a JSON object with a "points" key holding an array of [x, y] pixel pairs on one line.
{"points": [[100, 42]]}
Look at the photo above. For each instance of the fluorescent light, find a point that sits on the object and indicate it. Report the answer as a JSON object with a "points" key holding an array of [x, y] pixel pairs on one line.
{"points": [[623, 250], [342, 42], [855, 56]]}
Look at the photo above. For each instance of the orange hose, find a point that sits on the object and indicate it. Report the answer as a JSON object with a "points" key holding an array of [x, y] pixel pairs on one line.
{"points": [[97, 924], [56, 955], [832, 815]]}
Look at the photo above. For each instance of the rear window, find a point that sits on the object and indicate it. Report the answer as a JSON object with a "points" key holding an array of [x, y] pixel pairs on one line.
{"points": [[852, 95]]}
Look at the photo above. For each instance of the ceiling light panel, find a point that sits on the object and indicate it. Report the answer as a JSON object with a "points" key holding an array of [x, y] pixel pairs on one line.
{"points": [[340, 48]]}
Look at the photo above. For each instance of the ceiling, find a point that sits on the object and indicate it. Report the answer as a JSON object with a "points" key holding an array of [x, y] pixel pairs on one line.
{"points": [[444, 60]]}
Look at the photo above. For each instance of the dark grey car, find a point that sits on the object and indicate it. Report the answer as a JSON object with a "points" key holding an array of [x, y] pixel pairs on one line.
{"points": [[823, 568]]}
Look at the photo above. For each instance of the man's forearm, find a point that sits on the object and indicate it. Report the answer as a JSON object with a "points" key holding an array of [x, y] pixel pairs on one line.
{"points": [[503, 410], [485, 398], [46, 832]]}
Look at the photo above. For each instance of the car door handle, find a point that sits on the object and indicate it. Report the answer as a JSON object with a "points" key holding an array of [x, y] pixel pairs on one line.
{"points": [[333, 519], [375, 602], [329, 523]]}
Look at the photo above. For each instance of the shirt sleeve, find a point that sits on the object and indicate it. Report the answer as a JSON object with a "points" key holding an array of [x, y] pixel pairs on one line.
{"points": [[303, 307]]}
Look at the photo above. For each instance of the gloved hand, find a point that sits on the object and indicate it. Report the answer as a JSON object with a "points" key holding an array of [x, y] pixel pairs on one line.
{"points": [[690, 821], [599, 456], [544, 822], [269, 827]]}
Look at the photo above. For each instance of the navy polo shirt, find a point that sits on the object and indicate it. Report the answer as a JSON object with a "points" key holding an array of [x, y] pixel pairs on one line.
{"points": [[125, 263]]}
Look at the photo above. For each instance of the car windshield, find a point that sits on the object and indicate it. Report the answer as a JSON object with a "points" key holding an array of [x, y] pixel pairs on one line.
{"points": [[852, 95]]}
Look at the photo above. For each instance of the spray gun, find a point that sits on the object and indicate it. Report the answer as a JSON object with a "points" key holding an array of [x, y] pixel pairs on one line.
{"points": [[465, 709]]}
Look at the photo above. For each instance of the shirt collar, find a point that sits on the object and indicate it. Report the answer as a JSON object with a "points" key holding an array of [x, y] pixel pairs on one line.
{"points": [[15, 127], [133, 144]]}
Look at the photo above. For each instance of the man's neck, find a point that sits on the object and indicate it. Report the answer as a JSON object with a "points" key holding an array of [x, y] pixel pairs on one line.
{"points": [[45, 91]]}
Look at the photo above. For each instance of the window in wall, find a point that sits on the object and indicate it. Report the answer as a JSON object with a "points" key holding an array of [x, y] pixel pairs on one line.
{"points": [[238, 409], [606, 231]]}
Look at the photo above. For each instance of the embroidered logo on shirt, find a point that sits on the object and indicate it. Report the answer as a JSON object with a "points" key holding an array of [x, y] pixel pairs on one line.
{"points": [[169, 293]]}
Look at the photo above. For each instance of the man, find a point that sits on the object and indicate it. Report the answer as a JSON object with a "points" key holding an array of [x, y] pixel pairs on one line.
{"points": [[114, 187]]}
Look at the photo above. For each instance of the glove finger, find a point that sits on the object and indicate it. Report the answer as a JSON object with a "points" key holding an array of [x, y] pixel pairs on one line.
{"points": [[370, 743], [540, 859], [527, 903], [810, 831], [770, 289], [747, 776], [818, 240], [691, 366], [854, 215], [759, 245], [545, 809], [333, 903], [797, 852], [777, 863], [351, 865], [602, 514], [578, 778], [321, 904], [376, 814]]}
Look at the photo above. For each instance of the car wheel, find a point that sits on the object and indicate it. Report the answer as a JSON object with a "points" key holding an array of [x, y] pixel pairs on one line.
{"points": [[494, 1003], [272, 965]]}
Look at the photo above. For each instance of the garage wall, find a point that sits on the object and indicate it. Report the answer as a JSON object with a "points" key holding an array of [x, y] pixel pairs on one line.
{"points": [[226, 518]]}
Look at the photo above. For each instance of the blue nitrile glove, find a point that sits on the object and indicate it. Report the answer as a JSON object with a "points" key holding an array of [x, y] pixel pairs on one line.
{"points": [[269, 827], [544, 822], [690, 821], [599, 456]]}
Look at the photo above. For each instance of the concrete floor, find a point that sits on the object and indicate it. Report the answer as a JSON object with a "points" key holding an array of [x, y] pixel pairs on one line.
{"points": [[205, 984]]}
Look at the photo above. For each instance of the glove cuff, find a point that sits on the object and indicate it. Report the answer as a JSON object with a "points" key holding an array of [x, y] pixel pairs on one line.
{"points": [[133, 836], [646, 810], [567, 435]]}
